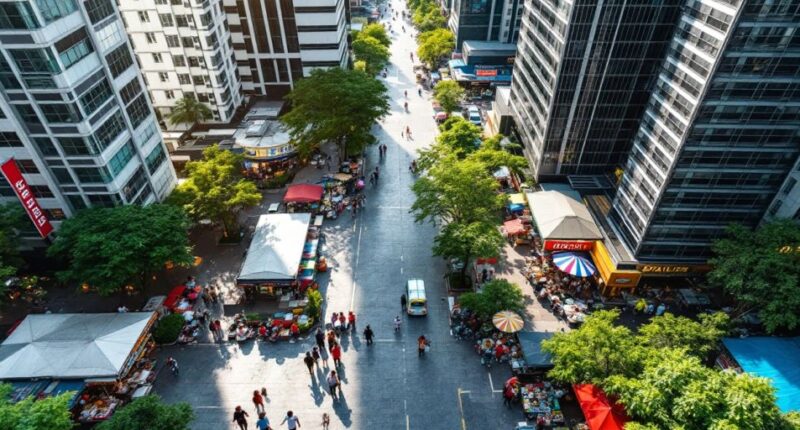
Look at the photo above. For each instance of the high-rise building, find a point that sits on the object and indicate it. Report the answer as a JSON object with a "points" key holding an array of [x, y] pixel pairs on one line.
{"points": [[719, 141], [75, 115], [582, 77], [184, 49], [486, 20], [278, 42]]}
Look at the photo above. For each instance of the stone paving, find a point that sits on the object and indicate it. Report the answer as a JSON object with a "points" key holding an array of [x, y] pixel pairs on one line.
{"points": [[386, 385]]}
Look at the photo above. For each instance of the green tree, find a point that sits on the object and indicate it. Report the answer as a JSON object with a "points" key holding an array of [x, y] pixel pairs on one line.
{"points": [[109, 248], [756, 270], [188, 110], [215, 189], [595, 351], [51, 413], [149, 412], [370, 50], [464, 241], [494, 156], [335, 105], [378, 31], [449, 95], [12, 217], [457, 191], [361, 66], [428, 19], [435, 45], [698, 338], [458, 138], [495, 296]]}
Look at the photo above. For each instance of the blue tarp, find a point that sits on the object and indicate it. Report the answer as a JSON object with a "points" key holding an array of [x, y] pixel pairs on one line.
{"points": [[531, 344], [776, 358], [64, 386]]}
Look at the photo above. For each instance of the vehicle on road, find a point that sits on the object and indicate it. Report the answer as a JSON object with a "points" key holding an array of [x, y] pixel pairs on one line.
{"points": [[417, 300], [474, 115]]}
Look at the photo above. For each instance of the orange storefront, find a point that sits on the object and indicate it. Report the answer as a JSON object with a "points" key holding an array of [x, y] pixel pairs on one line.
{"points": [[614, 280]]}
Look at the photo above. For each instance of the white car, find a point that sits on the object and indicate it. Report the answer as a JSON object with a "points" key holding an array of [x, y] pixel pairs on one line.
{"points": [[474, 115]]}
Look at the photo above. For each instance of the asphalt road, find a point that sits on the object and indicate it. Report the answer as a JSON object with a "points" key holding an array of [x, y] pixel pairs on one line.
{"points": [[386, 385]]}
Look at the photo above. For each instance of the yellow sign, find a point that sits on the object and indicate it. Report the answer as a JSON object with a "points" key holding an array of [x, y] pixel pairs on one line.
{"points": [[652, 268]]}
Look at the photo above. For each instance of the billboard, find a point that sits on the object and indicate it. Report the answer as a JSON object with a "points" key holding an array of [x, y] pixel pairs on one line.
{"points": [[568, 245], [26, 197]]}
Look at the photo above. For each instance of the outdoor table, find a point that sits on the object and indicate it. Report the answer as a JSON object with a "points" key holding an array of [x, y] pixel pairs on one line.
{"points": [[273, 208]]}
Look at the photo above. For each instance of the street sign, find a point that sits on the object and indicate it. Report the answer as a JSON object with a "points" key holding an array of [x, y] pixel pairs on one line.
{"points": [[26, 197]]}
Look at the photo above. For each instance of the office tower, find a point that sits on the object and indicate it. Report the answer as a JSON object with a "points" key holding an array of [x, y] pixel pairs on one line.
{"points": [[74, 113], [278, 42], [721, 132], [582, 77], [184, 49], [487, 20]]}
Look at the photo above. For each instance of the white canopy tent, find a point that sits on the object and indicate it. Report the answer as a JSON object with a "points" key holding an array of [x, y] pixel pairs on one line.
{"points": [[561, 217], [276, 249], [72, 346]]}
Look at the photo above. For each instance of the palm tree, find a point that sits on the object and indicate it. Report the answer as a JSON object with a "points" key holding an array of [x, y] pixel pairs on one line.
{"points": [[189, 111]]}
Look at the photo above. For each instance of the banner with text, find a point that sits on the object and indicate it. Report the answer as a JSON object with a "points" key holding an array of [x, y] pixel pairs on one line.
{"points": [[20, 186], [568, 245]]}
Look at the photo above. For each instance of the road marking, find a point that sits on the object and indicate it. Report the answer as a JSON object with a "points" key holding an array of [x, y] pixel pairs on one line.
{"points": [[491, 385], [408, 423], [401, 270], [461, 407], [355, 267]]}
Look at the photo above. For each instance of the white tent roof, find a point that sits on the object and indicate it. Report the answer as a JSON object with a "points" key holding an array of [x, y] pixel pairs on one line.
{"points": [[71, 345], [559, 216], [277, 248]]}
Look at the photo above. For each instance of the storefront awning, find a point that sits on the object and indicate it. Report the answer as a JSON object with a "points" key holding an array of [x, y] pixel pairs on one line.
{"points": [[531, 344], [303, 193], [600, 412], [561, 217], [276, 249]]}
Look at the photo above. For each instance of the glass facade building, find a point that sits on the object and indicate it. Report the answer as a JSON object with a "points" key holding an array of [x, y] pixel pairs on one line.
{"points": [[486, 20], [721, 131], [582, 78]]}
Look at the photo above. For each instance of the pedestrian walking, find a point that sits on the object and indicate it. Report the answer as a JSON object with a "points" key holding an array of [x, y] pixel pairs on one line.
{"points": [[291, 420], [368, 334], [218, 328], [422, 345], [333, 384], [258, 401], [397, 323], [343, 317], [351, 320], [320, 337], [323, 354], [336, 353], [309, 360], [403, 302], [372, 179], [403, 134], [263, 422], [326, 421], [377, 173], [331, 339], [264, 392], [508, 395], [240, 418], [213, 329]]}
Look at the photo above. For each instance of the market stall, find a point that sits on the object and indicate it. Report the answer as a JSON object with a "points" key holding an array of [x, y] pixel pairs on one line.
{"points": [[273, 262], [101, 357], [534, 361], [303, 198], [600, 412]]}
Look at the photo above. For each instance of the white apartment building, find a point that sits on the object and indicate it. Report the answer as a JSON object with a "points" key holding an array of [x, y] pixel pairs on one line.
{"points": [[73, 112], [184, 49], [277, 42]]}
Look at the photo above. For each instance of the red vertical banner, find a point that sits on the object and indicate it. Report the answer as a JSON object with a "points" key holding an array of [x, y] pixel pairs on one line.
{"points": [[20, 186]]}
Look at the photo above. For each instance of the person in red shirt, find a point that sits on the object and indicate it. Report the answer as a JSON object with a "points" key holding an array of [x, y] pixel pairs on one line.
{"points": [[342, 321], [295, 330], [262, 331], [351, 321], [336, 353], [498, 351]]}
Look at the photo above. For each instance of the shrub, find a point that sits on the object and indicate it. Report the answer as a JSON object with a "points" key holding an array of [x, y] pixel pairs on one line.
{"points": [[314, 303], [168, 329]]}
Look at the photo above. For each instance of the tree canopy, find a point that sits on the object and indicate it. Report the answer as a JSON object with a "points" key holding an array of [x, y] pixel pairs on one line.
{"points": [[189, 110], [698, 338], [215, 189], [428, 18], [435, 45], [335, 105], [12, 216], [371, 51], [378, 31], [761, 270], [149, 412], [495, 296], [464, 241], [449, 94], [51, 413]]}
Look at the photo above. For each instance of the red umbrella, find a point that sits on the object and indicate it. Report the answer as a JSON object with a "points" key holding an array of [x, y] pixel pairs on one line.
{"points": [[600, 412], [303, 193]]}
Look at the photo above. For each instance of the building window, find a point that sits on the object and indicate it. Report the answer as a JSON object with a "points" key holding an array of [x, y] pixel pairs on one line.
{"points": [[162, 2], [138, 110], [7, 77], [181, 21], [27, 114], [61, 112], [121, 158], [157, 58], [151, 37], [119, 60], [76, 146], [166, 20], [144, 16], [775, 208], [45, 145], [35, 60], [17, 16], [194, 62], [54, 9], [76, 52], [92, 175], [163, 76], [198, 80], [109, 131], [790, 183], [169, 94], [27, 166], [135, 184], [9, 139], [96, 96], [130, 90], [155, 159], [98, 9], [147, 132], [179, 60], [173, 41], [184, 79], [104, 200]]}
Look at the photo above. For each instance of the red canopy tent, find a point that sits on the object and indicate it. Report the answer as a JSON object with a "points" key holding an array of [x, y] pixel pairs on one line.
{"points": [[303, 193], [514, 227], [600, 412]]}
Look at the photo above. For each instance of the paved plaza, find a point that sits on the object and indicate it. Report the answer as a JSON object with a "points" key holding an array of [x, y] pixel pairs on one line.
{"points": [[386, 385]]}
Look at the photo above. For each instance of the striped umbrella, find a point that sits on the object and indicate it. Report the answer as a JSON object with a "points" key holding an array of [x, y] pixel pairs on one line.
{"points": [[508, 322], [574, 264]]}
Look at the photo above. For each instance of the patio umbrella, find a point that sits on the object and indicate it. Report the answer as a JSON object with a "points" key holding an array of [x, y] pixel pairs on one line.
{"points": [[574, 264], [507, 322]]}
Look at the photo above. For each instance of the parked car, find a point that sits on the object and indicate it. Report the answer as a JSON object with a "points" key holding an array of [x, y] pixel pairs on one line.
{"points": [[474, 115]]}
